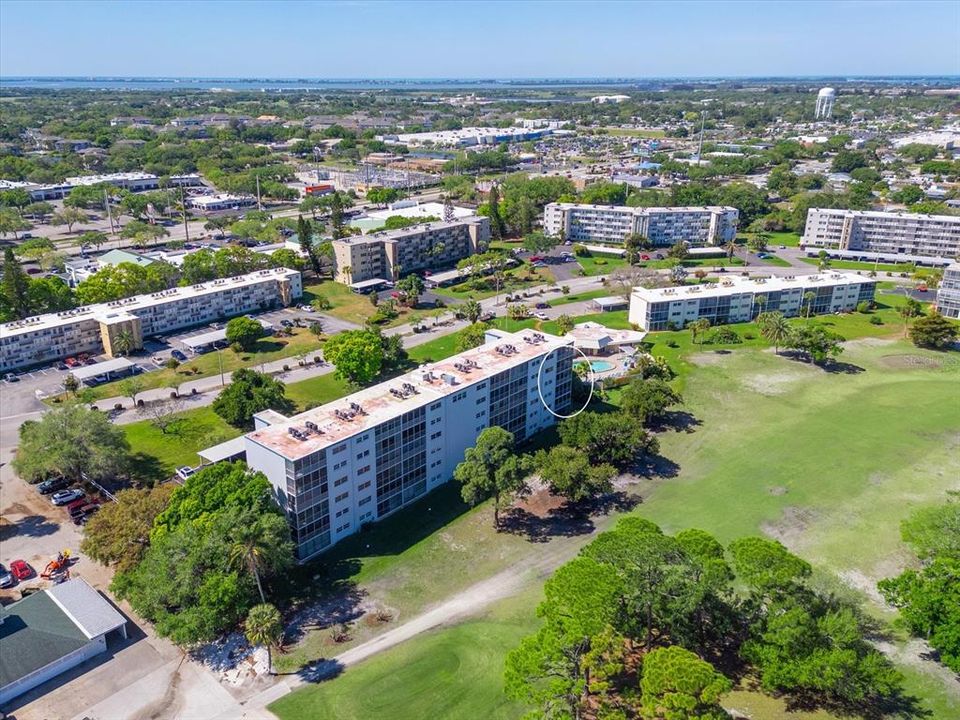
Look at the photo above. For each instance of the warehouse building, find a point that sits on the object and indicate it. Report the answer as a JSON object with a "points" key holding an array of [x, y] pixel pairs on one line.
{"points": [[916, 234], [738, 299], [96, 328], [662, 226], [388, 254], [361, 458]]}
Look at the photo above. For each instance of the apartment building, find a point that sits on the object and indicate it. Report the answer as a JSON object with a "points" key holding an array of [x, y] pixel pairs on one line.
{"points": [[357, 460], [95, 328], [737, 299], [662, 226], [388, 254], [948, 294], [933, 236]]}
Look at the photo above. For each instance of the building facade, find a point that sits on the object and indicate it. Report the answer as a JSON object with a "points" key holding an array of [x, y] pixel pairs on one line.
{"points": [[94, 328], [662, 226], [388, 254], [359, 459], [935, 236], [948, 294], [736, 299]]}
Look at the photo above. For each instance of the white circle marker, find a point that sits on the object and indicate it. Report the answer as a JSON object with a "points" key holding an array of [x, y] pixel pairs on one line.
{"points": [[540, 389]]}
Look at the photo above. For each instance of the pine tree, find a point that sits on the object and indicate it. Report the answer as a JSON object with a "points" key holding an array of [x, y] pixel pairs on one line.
{"points": [[16, 285], [305, 236], [336, 215], [496, 221]]}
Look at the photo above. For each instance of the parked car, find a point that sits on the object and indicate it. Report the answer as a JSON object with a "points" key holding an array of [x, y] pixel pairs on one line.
{"points": [[11, 378], [487, 317], [100, 379], [66, 496], [540, 316], [184, 472], [539, 264], [286, 323], [6, 579], [542, 306], [157, 360], [52, 485], [81, 516], [62, 366], [21, 570], [178, 356], [90, 361], [78, 503], [306, 308]]}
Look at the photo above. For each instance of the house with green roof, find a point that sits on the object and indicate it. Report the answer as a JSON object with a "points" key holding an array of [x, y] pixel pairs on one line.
{"points": [[51, 631]]}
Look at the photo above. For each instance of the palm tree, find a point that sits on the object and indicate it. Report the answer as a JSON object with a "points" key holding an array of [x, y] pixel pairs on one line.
{"points": [[264, 626], [808, 298], [124, 342], [472, 310], [731, 248], [698, 328], [249, 549], [348, 271], [775, 328], [910, 309]]}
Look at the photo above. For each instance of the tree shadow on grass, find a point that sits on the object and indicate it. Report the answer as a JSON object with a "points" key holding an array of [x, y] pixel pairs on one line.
{"points": [[837, 367], [558, 522], [147, 469], [655, 466], [319, 670], [678, 421], [897, 704]]}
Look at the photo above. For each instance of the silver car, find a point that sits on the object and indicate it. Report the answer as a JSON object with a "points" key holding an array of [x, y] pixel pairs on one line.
{"points": [[6, 579], [66, 496]]}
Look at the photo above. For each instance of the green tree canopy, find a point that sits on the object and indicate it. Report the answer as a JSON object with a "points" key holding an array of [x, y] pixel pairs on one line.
{"points": [[568, 472], [356, 354], [248, 393], [119, 534], [678, 685], [244, 332]]}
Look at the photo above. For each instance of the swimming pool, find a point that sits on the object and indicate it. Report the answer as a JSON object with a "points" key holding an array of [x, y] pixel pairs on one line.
{"points": [[599, 365]]}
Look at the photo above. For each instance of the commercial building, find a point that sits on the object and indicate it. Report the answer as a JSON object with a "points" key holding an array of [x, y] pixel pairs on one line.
{"points": [[95, 328], [932, 236], [714, 225], [948, 294], [468, 137], [132, 181], [359, 459], [737, 299], [222, 201], [385, 255], [51, 631]]}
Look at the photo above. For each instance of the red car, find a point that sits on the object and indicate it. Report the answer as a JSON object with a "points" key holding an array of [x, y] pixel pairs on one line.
{"points": [[80, 502], [20, 570], [71, 362]]}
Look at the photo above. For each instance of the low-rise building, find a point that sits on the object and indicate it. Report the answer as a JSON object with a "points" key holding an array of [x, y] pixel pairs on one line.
{"points": [[935, 236], [51, 631], [95, 328], [390, 253], [361, 458], [221, 201], [662, 226], [737, 299], [948, 294]]}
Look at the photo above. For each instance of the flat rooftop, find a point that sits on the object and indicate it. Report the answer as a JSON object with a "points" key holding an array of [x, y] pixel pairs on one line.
{"points": [[107, 310], [645, 210], [884, 215], [741, 285], [342, 419], [412, 231]]}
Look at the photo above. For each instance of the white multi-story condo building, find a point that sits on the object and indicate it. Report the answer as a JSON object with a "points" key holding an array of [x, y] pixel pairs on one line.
{"points": [[736, 299], [662, 226], [388, 254], [934, 236], [95, 328], [948, 294], [359, 459]]}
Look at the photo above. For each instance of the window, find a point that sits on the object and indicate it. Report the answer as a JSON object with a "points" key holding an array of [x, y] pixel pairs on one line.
{"points": [[339, 448], [363, 454], [481, 400], [363, 486], [339, 481], [341, 497], [436, 435], [364, 469], [365, 501], [435, 406]]}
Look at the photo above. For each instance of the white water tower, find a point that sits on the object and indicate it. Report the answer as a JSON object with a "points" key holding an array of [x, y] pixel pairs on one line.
{"points": [[825, 100]]}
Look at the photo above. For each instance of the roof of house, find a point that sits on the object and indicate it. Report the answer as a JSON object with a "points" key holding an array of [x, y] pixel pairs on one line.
{"points": [[35, 632], [88, 609], [115, 257]]}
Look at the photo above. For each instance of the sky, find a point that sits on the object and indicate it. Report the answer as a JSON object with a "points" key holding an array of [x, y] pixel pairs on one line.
{"points": [[361, 39]]}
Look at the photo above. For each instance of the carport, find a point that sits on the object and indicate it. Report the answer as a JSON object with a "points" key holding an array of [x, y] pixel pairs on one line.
{"points": [[112, 369]]}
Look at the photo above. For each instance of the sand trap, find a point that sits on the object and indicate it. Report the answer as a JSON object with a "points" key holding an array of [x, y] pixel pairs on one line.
{"points": [[907, 361]]}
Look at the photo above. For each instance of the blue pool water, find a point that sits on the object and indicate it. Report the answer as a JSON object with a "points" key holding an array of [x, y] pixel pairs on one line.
{"points": [[600, 365]]}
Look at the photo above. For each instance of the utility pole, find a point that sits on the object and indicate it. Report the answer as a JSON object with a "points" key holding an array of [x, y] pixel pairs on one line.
{"points": [[259, 204], [183, 211], [106, 206], [703, 118]]}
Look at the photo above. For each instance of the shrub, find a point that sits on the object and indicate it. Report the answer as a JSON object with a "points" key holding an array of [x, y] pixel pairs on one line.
{"points": [[565, 289], [876, 320], [864, 306], [724, 336]]}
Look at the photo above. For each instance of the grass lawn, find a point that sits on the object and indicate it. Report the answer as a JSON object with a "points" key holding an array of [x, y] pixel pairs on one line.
{"points": [[908, 268], [518, 278], [631, 132], [597, 264], [351, 306], [317, 391], [447, 675], [829, 463], [158, 455], [267, 350], [579, 297], [776, 239]]}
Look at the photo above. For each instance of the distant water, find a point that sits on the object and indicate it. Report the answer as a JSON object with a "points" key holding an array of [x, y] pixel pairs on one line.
{"points": [[301, 84]]}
